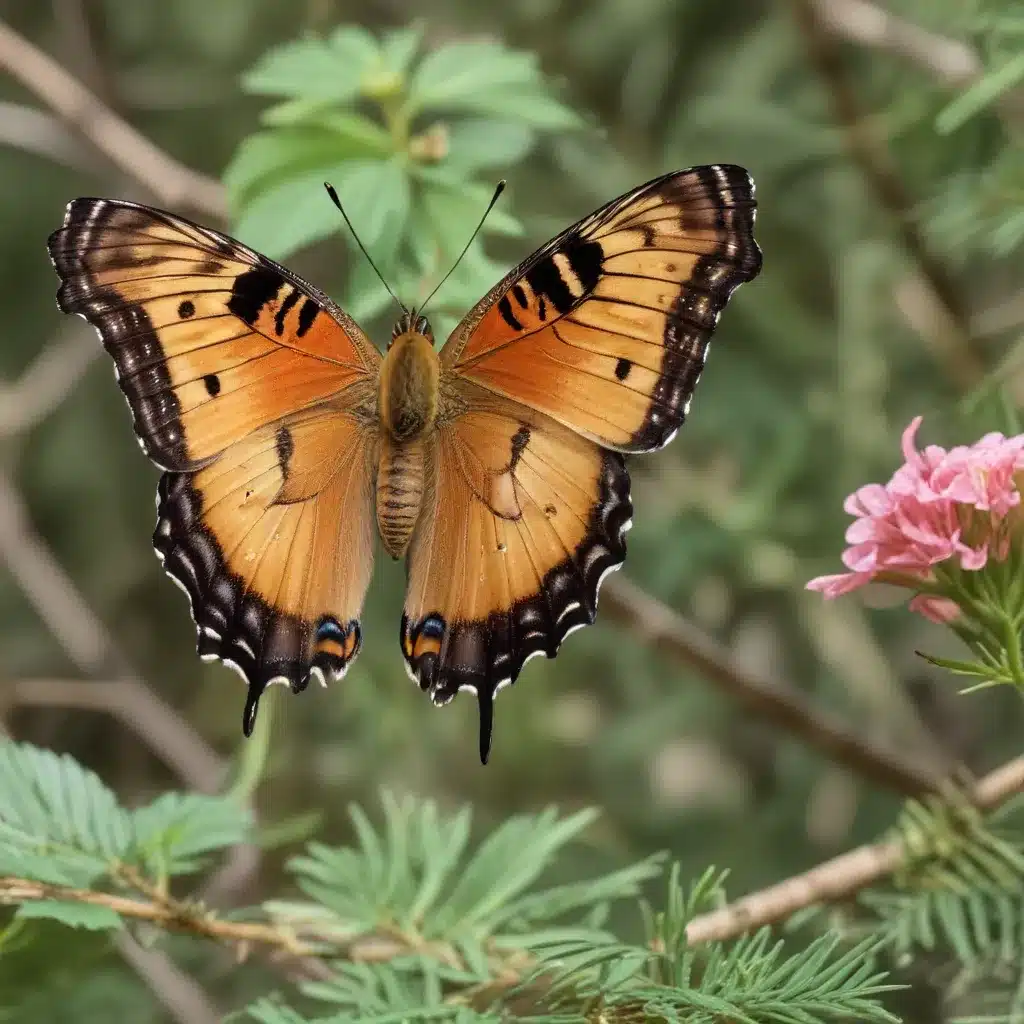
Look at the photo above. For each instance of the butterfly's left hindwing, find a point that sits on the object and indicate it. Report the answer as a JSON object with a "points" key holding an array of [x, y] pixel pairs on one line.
{"points": [[256, 394]]}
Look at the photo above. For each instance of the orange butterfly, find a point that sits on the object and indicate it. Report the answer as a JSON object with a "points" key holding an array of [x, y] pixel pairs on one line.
{"points": [[496, 466]]}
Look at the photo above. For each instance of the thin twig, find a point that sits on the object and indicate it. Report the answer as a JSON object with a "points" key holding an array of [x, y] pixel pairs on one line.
{"points": [[839, 878], [170, 181], [35, 131], [86, 642], [180, 994], [48, 380], [771, 701], [836, 879], [953, 62], [953, 344], [141, 711]]}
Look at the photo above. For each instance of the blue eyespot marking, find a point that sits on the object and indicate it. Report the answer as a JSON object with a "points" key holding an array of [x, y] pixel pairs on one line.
{"points": [[433, 626], [329, 629]]}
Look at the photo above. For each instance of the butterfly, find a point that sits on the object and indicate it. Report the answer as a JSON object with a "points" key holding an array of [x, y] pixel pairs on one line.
{"points": [[495, 466]]}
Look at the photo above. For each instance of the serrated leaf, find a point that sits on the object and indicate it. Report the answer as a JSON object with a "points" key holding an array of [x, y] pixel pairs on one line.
{"points": [[175, 832], [288, 216], [267, 158], [377, 196], [398, 47], [476, 144], [455, 211], [487, 78], [74, 915], [450, 73], [312, 69]]}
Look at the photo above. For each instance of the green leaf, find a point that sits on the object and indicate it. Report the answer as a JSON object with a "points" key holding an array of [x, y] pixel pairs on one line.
{"points": [[289, 215], [312, 69], [487, 78], [176, 831], [398, 48], [377, 197], [507, 863], [267, 158], [53, 808], [980, 95], [476, 144], [74, 915], [454, 212], [961, 668]]}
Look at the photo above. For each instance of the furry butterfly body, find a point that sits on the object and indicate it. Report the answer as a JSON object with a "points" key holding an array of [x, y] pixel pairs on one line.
{"points": [[495, 466]]}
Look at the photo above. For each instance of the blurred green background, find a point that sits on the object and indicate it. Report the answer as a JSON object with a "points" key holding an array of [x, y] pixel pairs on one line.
{"points": [[891, 217]]}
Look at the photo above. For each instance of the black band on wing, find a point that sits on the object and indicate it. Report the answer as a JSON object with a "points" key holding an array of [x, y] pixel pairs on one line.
{"points": [[233, 624], [702, 298], [126, 329], [486, 654]]}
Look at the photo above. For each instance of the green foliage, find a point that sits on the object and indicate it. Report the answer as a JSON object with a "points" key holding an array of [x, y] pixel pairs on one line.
{"points": [[399, 133], [415, 878], [581, 975], [960, 891], [60, 825]]}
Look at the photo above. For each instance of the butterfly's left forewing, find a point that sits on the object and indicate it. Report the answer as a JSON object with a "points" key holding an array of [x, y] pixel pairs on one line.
{"points": [[256, 394]]}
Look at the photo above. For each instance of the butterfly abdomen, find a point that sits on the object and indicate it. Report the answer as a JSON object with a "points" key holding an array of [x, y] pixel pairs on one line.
{"points": [[407, 408], [401, 477]]}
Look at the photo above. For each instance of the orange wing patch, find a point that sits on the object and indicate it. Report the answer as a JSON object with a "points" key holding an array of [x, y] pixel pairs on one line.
{"points": [[273, 542], [257, 394], [210, 340], [606, 329], [526, 520]]}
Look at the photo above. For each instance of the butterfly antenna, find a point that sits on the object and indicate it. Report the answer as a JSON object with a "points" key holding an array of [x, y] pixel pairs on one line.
{"points": [[337, 202], [490, 206]]}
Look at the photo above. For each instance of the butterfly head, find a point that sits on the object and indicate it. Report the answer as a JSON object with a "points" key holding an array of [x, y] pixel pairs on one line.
{"points": [[411, 322]]}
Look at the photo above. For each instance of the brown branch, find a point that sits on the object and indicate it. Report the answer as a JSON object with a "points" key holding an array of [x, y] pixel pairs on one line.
{"points": [[170, 181], [953, 62], [771, 701], [180, 994], [839, 878], [953, 342], [306, 944], [33, 131], [202, 924], [47, 381], [86, 642], [137, 708]]}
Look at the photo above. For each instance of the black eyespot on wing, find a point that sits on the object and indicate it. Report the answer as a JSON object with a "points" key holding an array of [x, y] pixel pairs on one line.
{"points": [[212, 383], [622, 368], [186, 309]]}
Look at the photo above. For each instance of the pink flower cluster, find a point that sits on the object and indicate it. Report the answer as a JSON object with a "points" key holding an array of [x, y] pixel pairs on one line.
{"points": [[939, 505]]}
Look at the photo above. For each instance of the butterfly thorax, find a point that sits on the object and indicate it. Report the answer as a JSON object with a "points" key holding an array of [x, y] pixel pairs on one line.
{"points": [[406, 407]]}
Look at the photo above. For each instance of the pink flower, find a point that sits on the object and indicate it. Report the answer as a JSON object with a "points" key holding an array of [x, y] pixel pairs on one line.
{"points": [[939, 506]]}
